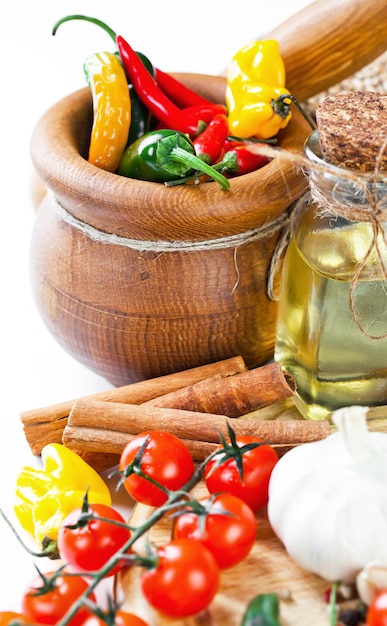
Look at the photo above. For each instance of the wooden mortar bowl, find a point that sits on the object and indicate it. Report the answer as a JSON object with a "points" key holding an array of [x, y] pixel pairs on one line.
{"points": [[128, 311]]}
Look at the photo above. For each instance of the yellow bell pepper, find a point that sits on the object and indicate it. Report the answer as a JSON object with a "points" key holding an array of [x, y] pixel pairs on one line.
{"points": [[255, 81], [44, 497], [111, 109]]}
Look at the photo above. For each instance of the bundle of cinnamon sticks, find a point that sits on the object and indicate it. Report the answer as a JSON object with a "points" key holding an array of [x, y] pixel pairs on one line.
{"points": [[195, 405]]}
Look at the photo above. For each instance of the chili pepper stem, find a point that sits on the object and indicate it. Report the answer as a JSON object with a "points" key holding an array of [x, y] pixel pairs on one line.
{"points": [[246, 140], [86, 18], [182, 156], [281, 107], [185, 179]]}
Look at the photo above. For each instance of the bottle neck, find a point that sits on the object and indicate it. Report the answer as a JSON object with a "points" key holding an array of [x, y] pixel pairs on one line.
{"points": [[339, 191]]}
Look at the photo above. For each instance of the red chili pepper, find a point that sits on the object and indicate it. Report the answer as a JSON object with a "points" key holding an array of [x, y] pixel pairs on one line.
{"points": [[150, 93], [209, 144], [179, 93], [240, 160], [232, 143], [205, 113], [171, 114]]}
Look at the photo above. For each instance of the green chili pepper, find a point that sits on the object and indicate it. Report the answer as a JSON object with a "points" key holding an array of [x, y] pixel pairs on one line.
{"points": [[263, 610], [165, 155], [141, 117]]}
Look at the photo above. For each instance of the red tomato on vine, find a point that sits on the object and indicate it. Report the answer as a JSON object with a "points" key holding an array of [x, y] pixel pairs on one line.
{"points": [[161, 456], [224, 524], [223, 472], [86, 542], [183, 581], [48, 598]]}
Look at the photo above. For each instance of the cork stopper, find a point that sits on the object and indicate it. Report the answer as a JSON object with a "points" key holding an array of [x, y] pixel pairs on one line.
{"points": [[352, 129]]}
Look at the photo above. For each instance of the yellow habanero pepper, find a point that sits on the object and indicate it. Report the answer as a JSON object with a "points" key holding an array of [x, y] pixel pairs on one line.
{"points": [[44, 497], [111, 109], [255, 81]]}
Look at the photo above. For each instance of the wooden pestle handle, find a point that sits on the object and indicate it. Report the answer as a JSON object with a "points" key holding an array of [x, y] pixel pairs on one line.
{"points": [[321, 45], [329, 41]]}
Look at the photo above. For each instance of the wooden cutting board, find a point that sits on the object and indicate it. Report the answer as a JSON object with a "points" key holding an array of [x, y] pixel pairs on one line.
{"points": [[268, 568]]}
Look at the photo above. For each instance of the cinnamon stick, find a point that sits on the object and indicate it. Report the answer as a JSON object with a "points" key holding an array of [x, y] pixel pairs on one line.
{"points": [[106, 427], [45, 425], [235, 395]]}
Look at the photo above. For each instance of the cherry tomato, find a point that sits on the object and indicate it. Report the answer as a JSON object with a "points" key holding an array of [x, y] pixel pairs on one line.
{"points": [[257, 464], [229, 536], [48, 607], [166, 459], [121, 619], [377, 610], [184, 580], [88, 547]]}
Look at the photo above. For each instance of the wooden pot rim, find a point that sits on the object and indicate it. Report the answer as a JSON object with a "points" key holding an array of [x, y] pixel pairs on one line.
{"points": [[151, 211]]}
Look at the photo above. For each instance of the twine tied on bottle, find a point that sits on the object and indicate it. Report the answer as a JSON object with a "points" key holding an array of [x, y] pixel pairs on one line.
{"points": [[372, 210]]}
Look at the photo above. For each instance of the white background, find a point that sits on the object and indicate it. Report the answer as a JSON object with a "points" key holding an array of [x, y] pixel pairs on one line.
{"points": [[36, 71]]}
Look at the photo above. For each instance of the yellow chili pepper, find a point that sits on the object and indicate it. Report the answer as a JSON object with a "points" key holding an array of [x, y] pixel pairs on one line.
{"points": [[111, 109], [255, 81], [45, 496]]}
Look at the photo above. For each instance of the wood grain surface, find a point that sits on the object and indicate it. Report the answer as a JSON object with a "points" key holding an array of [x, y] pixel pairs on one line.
{"points": [[131, 311]]}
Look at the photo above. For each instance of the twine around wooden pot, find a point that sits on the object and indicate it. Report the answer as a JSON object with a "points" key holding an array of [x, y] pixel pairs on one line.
{"points": [[137, 280]]}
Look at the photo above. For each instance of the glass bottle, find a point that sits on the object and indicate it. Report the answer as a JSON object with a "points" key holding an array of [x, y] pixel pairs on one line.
{"points": [[332, 318]]}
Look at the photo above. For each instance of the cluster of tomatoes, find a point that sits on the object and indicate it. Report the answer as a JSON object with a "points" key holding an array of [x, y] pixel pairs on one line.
{"points": [[179, 578]]}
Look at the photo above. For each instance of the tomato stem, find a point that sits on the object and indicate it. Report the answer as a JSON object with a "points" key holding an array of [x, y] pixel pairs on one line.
{"points": [[175, 499], [233, 451], [135, 468]]}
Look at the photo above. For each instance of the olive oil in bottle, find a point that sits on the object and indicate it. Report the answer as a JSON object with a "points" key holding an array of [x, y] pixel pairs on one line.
{"points": [[332, 315], [333, 361]]}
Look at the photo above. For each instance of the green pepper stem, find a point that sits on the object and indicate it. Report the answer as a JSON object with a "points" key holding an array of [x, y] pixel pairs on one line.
{"points": [[191, 160], [50, 548], [185, 179], [86, 18], [247, 140], [281, 107]]}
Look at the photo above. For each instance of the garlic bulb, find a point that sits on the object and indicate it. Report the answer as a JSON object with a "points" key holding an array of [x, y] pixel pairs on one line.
{"points": [[328, 499], [371, 580]]}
